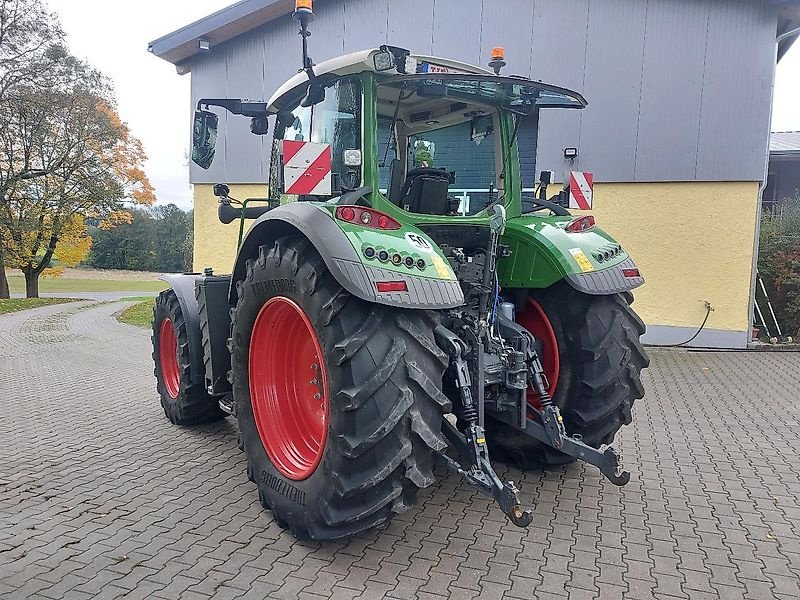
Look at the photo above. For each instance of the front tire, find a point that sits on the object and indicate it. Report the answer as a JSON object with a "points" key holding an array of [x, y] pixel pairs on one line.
{"points": [[594, 370], [377, 431], [184, 402]]}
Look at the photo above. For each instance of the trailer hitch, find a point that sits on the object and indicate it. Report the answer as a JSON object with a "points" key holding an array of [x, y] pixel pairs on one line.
{"points": [[482, 475], [551, 430], [472, 444]]}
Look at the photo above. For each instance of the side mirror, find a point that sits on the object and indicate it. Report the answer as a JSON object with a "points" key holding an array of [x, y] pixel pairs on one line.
{"points": [[204, 138], [314, 95]]}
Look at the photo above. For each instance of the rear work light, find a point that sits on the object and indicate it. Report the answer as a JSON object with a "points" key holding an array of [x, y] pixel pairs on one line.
{"points": [[367, 217], [580, 224], [391, 286], [630, 273]]}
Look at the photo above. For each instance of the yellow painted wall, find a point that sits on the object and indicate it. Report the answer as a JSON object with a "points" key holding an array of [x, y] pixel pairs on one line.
{"points": [[215, 243], [693, 241]]}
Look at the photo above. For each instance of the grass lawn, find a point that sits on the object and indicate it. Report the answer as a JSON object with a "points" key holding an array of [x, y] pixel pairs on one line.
{"points": [[140, 314], [15, 304], [63, 284]]}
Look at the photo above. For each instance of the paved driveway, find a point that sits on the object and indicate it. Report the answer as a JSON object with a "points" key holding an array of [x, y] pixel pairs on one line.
{"points": [[101, 497]]}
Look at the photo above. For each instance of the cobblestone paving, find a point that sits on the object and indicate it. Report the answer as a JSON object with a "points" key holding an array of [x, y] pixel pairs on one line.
{"points": [[100, 497]]}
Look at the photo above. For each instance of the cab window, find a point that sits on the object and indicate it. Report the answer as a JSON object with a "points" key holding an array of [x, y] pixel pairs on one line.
{"points": [[335, 121]]}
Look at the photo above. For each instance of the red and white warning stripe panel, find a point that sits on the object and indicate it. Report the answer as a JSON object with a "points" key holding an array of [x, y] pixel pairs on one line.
{"points": [[580, 190], [306, 168]]}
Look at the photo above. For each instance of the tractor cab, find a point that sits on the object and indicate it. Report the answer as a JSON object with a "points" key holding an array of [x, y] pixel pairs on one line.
{"points": [[423, 138], [429, 136]]}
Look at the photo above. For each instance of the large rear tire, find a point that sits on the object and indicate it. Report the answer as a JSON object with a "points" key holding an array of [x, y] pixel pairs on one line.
{"points": [[184, 402], [356, 452], [593, 358]]}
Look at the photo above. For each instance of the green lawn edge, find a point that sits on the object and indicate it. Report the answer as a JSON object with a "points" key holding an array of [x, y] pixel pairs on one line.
{"points": [[139, 314], [49, 285], [9, 305]]}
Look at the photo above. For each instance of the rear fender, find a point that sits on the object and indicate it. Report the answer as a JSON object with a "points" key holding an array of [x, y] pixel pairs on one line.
{"points": [[349, 267], [542, 253], [183, 286]]}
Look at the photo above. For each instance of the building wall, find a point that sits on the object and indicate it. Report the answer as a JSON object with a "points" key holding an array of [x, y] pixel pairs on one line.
{"points": [[215, 243], [682, 93], [693, 241]]}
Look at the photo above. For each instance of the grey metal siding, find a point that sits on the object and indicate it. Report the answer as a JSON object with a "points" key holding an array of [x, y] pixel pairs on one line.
{"points": [[678, 90], [672, 86], [613, 74], [737, 90], [558, 56]]}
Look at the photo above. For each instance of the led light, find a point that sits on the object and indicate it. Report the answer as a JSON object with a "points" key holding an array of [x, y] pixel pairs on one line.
{"points": [[409, 262], [383, 256], [369, 252], [347, 214], [410, 66], [421, 264], [396, 259], [365, 217], [630, 273], [352, 158], [580, 224], [391, 286], [570, 153], [383, 222], [383, 61]]}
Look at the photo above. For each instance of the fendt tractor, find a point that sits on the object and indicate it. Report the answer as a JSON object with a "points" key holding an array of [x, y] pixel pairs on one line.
{"points": [[378, 320]]}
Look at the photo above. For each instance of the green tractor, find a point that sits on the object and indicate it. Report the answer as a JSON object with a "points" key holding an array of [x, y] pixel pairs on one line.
{"points": [[377, 321]]}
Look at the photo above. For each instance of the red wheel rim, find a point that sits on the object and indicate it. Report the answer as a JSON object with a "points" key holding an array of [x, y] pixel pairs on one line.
{"points": [[534, 319], [168, 353], [288, 388]]}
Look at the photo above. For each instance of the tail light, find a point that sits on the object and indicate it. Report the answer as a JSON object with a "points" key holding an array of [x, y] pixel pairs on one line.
{"points": [[630, 273], [580, 224], [391, 286], [367, 217]]}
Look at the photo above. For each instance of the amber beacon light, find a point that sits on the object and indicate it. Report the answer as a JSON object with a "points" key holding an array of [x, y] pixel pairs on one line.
{"points": [[498, 59]]}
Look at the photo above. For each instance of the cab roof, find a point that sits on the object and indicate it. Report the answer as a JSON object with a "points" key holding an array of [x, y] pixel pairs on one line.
{"points": [[359, 62]]}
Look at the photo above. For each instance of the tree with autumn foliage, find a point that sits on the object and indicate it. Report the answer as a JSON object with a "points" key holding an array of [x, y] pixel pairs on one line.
{"points": [[65, 155], [85, 165]]}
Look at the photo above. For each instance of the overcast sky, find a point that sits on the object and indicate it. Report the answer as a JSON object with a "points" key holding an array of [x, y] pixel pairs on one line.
{"points": [[154, 100]]}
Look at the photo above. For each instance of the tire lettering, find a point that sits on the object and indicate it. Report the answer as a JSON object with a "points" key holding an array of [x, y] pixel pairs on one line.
{"points": [[272, 286], [284, 488]]}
